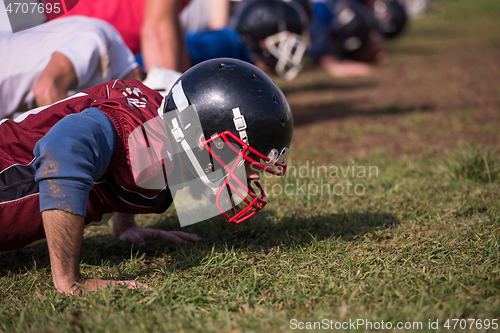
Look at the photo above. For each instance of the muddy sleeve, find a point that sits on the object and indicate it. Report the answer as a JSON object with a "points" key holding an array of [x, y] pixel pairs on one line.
{"points": [[74, 153]]}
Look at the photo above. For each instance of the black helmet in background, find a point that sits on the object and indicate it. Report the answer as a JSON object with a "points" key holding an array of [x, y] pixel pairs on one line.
{"points": [[306, 6], [274, 30], [391, 16], [351, 27]]}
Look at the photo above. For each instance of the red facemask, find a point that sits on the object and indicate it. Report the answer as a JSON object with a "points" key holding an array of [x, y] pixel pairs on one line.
{"points": [[254, 196]]}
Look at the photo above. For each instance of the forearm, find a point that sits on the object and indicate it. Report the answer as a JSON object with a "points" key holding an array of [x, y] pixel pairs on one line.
{"points": [[219, 14], [162, 41], [164, 47], [64, 232]]}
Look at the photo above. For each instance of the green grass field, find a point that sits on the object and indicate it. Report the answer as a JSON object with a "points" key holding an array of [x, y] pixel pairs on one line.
{"points": [[390, 212]]}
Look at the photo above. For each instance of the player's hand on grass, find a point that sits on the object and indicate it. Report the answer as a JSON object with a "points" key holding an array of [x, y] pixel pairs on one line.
{"points": [[84, 284], [126, 230]]}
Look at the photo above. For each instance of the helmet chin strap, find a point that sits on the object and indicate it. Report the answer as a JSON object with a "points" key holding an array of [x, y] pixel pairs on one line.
{"points": [[178, 134], [180, 137]]}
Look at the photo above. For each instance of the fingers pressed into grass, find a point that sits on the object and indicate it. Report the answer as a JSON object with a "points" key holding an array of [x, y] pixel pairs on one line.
{"points": [[93, 284]]}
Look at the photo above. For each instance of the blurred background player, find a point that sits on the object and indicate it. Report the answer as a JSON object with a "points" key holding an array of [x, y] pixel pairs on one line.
{"points": [[355, 33], [204, 15], [347, 35], [324, 50], [268, 33], [416, 8], [150, 26], [391, 16], [47, 63], [275, 32]]}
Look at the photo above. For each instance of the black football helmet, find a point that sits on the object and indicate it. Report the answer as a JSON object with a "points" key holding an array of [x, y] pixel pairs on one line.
{"points": [[351, 27], [222, 113], [274, 29], [306, 6], [391, 17]]}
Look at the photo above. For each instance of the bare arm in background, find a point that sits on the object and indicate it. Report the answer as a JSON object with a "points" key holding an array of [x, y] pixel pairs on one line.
{"points": [[59, 77], [56, 80], [162, 41], [219, 14]]}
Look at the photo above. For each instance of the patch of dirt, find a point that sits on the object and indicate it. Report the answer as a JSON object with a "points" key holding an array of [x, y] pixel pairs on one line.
{"points": [[409, 107]]}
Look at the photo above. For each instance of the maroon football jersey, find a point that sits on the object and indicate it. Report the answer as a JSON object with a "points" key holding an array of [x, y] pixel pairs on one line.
{"points": [[133, 109]]}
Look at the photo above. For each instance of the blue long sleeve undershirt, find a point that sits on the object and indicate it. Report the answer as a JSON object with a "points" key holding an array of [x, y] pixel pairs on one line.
{"points": [[201, 46], [70, 157], [320, 28]]}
